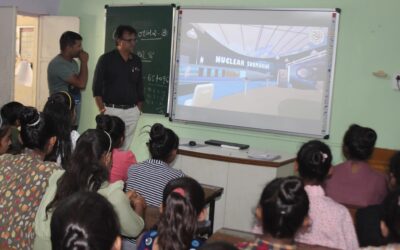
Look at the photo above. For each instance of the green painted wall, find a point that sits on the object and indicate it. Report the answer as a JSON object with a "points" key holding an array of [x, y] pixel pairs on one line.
{"points": [[369, 40]]}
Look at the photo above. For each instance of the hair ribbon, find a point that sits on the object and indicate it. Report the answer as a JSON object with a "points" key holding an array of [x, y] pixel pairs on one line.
{"points": [[324, 156], [180, 191]]}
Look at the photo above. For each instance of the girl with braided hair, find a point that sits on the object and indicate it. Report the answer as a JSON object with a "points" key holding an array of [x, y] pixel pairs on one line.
{"points": [[331, 223], [150, 177], [60, 107], [24, 178], [95, 226], [182, 208], [88, 170], [121, 159], [282, 211]]}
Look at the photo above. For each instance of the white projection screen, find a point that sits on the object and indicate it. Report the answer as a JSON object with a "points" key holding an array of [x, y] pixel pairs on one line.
{"points": [[269, 70]]}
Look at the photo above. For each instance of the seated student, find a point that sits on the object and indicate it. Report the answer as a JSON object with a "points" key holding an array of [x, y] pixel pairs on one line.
{"points": [[389, 225], [182, 207], [368, 226], [331, 225], [149, 178], [282, 209], [5, 136], [121, 159], [89, 170], [368, 219], [354, 182], [94, 226], [11, 113], [23, 180], [61, 108]]}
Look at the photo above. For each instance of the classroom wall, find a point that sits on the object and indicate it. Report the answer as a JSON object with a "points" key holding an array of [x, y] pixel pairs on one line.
{"points": [[35, 7], [368, 41]]}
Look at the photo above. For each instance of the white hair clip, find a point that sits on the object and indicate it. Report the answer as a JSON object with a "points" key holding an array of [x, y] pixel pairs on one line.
{"points": [[324, 156], [35, 122], [109, 137], [69, 98]]}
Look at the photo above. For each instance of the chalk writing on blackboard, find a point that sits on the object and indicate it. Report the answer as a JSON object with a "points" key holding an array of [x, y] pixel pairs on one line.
{"points": [[156, 97], [153, 34], [154, 26], [156, 78], [146, 56]]}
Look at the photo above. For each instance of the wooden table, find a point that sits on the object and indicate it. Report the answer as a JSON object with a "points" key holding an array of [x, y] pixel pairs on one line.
{"points": [[212, 193], [242, 178], [235, 236]]}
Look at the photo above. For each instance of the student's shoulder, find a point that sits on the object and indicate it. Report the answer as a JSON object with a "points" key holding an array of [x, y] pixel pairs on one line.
{"points": [[6, 157], [55, 176], [334, 206], [340, 166], [112, 188], [123, 153], [175, 172]]}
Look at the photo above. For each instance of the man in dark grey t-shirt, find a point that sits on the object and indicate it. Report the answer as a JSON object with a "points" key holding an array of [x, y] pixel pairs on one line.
{"points": [[63, 72]]}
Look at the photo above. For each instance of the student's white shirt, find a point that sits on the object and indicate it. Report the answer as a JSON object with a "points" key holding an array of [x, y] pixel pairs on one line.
{"points": [[74, 137]]}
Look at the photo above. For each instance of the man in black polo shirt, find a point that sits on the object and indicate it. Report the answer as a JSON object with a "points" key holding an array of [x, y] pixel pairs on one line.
{"points": [[118, 83]]}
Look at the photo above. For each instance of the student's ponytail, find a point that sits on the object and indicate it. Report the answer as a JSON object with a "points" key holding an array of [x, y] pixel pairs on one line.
{"points": [[183, 201], [178, 224], [284, 205]]}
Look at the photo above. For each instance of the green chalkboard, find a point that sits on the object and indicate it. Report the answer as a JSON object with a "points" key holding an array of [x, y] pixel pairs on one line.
{"points": [[154, 25]]}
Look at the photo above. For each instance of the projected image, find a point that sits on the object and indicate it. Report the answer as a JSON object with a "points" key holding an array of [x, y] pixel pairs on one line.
{"points": [[262, 69]]}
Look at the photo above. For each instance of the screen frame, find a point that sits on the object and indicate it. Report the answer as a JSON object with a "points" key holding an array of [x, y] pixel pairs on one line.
{"points": [[326, 119]]}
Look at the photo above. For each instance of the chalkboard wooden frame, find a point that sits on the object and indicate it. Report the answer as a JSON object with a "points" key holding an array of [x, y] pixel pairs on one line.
{"points": [[155, 25]]}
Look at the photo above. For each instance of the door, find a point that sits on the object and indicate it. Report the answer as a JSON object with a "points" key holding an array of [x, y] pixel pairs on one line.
{"points": [[50, 30], [8, 18], [26, 59]]}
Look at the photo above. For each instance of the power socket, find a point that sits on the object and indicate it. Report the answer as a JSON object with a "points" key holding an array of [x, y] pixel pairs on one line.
{"points": [[396, 82]]}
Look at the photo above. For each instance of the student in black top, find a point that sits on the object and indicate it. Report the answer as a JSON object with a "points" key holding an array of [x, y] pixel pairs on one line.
{"points": [[369, 219], [5, 132], [394, 171], [118, 84], [10, 113]]}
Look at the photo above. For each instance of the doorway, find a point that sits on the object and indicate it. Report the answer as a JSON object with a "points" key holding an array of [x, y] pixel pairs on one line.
{"points": [[36, 43], [26, 60], [28, 45]]}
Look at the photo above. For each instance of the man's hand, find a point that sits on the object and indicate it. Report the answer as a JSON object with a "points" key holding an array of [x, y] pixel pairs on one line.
{"points": [[83, 56]]}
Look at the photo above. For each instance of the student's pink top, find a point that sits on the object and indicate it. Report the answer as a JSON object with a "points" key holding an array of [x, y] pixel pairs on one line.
{"points": [[331, 223], [355, 183], [122, 160]]}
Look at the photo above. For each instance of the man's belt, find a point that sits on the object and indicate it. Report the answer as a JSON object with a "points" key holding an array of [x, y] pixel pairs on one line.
{"points": [[119, 106]]}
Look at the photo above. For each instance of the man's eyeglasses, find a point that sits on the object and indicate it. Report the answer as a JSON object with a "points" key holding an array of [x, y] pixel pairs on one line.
{"points": [[128, 40]]}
